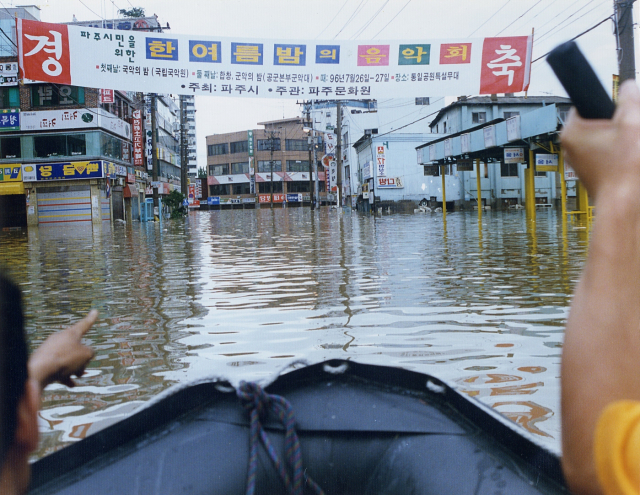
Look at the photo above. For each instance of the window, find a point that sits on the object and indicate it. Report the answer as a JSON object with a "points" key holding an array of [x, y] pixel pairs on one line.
{"points": [[217, 149], [298, 166], [219, 169], [239, 147], [244, 188], [422, 101], [508, 115], [47, 95], [265, 166], [110, 146], [541, 174], [219, 190], [10, 97], [240, 167], [265, 144], [50, 145], [509, 170], [10, 147], [265, 187], [298, 186], [478, 117], [296, 145]]}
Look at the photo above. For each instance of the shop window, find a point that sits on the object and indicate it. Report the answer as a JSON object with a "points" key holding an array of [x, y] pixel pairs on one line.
{"points": [[110, 146], [47, 95], [297, 165], [509, 170], [219, 190], [298, 186], [265, 166], [239, 147], [47, 146], [266, 144], [296, 145], [265, 187], [217, 149], [244, 188], [10, 97], [240, 168], [219, 169], [10, 148]]}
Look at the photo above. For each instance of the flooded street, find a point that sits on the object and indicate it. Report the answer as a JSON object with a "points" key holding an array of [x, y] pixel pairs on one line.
{"points": [[243, 293]]}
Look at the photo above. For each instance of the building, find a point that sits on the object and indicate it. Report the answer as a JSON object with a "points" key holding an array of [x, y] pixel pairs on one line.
{"points": [[367, 124], [502, 181], [190, 117], [251, 167]]}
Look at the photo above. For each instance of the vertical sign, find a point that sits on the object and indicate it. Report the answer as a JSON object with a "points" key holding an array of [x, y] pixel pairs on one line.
{"points": [[106, 96], [138, 155], [381, 161], [250, 143], [330, 145], [148, 139]]}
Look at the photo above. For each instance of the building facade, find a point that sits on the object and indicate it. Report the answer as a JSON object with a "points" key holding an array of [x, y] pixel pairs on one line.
{"points": [[262, 166]]}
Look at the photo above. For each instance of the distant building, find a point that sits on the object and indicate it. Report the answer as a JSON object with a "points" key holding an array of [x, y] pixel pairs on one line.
{"points": [[192, 161], [244, 167]]}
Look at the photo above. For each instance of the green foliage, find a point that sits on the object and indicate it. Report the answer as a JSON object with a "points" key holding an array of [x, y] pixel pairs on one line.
{"points": [[134, 12], [202, 173], [174, 202]]}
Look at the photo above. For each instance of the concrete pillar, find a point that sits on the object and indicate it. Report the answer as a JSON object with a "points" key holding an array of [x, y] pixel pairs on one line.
{"points": [[96, 207], [32, 204]]}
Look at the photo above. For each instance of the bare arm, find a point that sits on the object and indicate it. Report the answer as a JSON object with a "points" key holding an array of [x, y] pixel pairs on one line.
{"points": [[601, 353], [62, 355]]}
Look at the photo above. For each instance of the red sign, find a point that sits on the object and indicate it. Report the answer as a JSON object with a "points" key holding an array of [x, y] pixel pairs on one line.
{"points": [[264, 198], [455, 53], [505, 65], [44, 51], [277, 198], [131, 178], [106, 96], [137, 135]]}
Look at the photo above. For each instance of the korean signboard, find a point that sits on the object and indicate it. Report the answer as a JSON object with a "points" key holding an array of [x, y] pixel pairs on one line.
{"points": [[62, 171], [381, 160], [514, 155], [204, 65], [390, 182], [9, 74], [546, 162], [74, 119], [9, 120], [250, 142], [138, 138], [106, 96], [11, 173]]}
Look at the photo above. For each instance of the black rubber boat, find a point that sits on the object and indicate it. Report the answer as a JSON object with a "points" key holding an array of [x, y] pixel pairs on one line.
{"points": [[361, 429]]}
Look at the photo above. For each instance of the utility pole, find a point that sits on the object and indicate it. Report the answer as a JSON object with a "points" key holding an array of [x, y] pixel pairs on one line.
{"points": [[339, 150], [183, 147], [272, 142], [311, 144], [154, 171], [624, 39]]}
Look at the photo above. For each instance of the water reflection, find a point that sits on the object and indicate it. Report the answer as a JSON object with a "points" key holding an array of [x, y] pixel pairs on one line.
{"points": [[243, 293]]}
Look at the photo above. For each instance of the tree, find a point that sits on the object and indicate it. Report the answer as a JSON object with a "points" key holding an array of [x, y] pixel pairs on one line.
{"points": [[202, 173], [174, 201], [134, 12]]}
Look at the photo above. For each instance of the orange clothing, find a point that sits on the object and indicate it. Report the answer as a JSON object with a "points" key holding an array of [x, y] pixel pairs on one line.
{"points": [[617, 448]]}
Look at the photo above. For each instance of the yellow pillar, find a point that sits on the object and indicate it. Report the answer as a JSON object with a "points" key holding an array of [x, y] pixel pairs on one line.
{"points": [[582, 198], [444, 194], [563, 183], [479, 187], [530, 188]]}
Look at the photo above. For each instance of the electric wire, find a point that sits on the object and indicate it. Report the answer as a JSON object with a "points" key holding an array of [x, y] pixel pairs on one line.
{"points": [[334, 18], [384, 27], [88, 8], [351, 17], [520, 17], [492, 16], [368, 23], [542, 36]]}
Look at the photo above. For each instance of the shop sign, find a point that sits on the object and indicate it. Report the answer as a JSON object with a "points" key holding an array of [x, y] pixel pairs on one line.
{"points": [[546, 162], [381, 160], [366, 171], [85, 118], [213, 200], [138, 135], [131, 178], [63, 171], [294, 198], [390, 182], [365, 190], [250, 142], [9, 120], [489, 133], [121, 170], [464, 165], [569, 173], [248, 200], [513, 155], [9, 74], [431, 170], [106, 96], [11, 173]]}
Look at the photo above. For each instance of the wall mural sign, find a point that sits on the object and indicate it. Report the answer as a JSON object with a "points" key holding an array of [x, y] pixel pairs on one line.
{"points": [[271, 68]]}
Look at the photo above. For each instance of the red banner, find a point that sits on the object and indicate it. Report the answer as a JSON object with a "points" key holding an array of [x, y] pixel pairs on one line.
{"points": [[138, 139], [44, 51], [106, 96], [505, 65]]}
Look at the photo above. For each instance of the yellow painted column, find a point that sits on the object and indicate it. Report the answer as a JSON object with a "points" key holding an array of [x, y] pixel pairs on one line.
{"points": [[582, 198], [479, 187], [530, 188], [563, 183], [444, 193]]}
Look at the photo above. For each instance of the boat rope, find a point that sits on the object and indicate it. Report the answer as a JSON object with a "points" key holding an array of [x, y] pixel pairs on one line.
{"points": [[260, 404]]}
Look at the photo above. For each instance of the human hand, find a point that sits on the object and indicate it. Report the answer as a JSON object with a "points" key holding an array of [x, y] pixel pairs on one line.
{"points": [[62, 355], [606, 153]]}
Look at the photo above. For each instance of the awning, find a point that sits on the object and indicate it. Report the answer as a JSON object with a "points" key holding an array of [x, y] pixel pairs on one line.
{"points": [[11, 188], [130, 191]]}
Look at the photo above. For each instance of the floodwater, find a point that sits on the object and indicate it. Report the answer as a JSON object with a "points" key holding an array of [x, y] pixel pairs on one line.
{"points": [[242, 294]]}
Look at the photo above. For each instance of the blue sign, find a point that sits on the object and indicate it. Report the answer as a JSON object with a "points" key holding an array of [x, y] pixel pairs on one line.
{"points": [[294, 198], [185, 202], [213, 200], [69, 170], [205, 51], [327, 54], [162, 48], [9, 121]]}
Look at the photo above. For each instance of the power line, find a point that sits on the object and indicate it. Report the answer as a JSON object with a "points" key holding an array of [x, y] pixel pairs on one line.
{"points": [[350, 18], [521, 15], [101, 17], [542, 36], [494, 14], [334, 18], [368, 23], [383, 28]]}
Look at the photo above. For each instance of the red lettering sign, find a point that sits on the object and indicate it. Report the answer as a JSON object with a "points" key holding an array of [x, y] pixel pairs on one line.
{"points": [[138, 146], [505, 65], [44, 51]]}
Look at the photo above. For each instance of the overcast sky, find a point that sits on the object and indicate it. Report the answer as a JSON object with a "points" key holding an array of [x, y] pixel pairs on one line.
{"points": [[554, 21]]}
